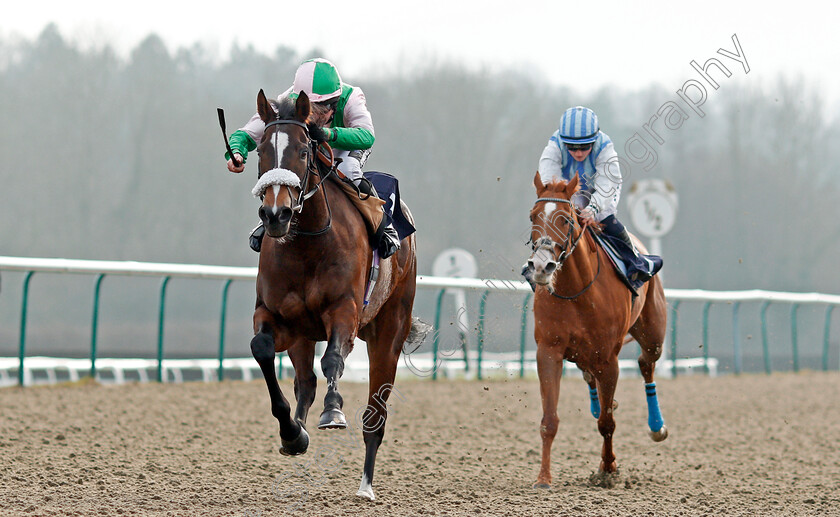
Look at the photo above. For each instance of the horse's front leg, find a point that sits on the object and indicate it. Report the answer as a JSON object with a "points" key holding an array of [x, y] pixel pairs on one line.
{"points": [[342, 325], [549, 371], [293, 437], [302, 355]]}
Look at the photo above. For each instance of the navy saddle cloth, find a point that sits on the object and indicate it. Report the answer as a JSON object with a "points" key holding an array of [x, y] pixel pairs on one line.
{"points": [[633, 270], [388, 188]]}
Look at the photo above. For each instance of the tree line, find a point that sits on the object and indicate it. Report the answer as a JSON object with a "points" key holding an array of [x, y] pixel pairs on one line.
{"points": [[121, 158]]}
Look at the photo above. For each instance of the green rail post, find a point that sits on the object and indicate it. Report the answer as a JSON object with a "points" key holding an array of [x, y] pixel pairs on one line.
{"points": [[436, 341], [793, 335], [706, 307], [522, 332], [481, 308], [825, 339], [764, 345], [674, 307], [22, 344], [221, 372], [161, 315], [736, 338], [94, 325]]}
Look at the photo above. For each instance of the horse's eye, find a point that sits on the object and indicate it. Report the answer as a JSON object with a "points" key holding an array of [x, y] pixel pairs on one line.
{"points": [[304, 153]]}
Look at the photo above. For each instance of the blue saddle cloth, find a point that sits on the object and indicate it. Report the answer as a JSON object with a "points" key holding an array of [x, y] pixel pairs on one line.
{"points": [[633, 270], [388, 188]]}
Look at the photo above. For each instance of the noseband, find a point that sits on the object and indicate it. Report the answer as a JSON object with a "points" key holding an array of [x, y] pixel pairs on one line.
{"points": [[311, 167], [546, 243]]}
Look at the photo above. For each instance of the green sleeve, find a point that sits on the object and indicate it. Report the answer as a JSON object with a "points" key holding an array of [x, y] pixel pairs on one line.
{"points": [[242, 143], [350, 138]]}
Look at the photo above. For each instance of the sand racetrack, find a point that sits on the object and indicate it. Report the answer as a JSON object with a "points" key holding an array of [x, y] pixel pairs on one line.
{"points": [[748, 445]]}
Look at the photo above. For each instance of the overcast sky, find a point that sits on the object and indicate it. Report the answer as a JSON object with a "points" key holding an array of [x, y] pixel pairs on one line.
{"points": [[582, 44]]}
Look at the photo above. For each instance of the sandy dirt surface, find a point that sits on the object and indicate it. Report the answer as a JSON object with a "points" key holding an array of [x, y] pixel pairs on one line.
{"points": [[749, 445]]}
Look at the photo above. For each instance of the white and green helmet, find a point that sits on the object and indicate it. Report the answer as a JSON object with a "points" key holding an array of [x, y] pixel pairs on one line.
{"points": [[319, 79]]}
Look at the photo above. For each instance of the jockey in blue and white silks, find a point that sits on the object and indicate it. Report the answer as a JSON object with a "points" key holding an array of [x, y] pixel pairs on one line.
{"points": [[578, 146]]}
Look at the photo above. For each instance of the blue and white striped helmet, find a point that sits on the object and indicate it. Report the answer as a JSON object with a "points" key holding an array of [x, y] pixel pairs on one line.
{"points": [[579, 125]]}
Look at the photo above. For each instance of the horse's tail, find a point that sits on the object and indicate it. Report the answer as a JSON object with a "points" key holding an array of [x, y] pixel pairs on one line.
{"points": [[416, 335]]}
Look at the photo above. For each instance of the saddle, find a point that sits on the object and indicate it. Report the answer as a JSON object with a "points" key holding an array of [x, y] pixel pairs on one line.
{"points": [[377, 198]]}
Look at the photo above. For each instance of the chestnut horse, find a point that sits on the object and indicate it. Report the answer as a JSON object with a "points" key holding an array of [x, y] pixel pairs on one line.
{"points": [[313, 268], [582, 313]]}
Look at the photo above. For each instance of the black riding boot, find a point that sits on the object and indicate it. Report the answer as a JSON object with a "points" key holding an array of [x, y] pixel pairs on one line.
{"points": [[256, 237], [389, 242], [612, 226]]}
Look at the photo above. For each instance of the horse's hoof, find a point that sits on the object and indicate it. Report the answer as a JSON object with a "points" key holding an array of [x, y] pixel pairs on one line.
{"points": [[544, 486], [367, 494], [605, 479], [658, 436], [366, 489], [612, 468], [332, 419], [297, 446]]}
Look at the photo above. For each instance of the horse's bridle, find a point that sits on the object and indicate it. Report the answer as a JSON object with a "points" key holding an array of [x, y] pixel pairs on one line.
{"points": [[311, 167], [546, 243]]}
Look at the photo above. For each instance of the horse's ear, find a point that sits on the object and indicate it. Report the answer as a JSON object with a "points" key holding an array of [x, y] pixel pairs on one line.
{"points": [[264, 108], [572, 186], [538, 184], [302, 107]]}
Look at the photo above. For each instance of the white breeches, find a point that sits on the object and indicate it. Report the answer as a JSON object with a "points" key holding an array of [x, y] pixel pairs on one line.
{"points": [[352, 162]]}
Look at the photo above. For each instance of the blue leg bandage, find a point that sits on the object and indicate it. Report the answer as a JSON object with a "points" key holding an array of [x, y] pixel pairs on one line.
{"points": [[594, 404], [655, 420]]}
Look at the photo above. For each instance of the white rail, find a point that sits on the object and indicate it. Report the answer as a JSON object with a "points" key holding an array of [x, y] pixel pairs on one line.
{"points": [[130, 268]]}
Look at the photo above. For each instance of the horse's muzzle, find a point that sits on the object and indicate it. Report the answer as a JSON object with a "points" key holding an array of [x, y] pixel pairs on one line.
{"points": [[541, 269], [276, 221]]}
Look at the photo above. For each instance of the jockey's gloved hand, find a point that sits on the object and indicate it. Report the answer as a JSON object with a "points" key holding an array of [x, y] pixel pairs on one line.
{"points": [[236, 168], [588, 214]]}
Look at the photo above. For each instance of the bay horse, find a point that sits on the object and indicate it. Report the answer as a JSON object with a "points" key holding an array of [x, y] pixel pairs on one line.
{"points": [[313, 268], [582, 313]]}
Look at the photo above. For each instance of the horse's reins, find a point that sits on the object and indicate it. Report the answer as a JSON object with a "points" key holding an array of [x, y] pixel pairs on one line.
{"points": [[548, 244], [311, 166]]}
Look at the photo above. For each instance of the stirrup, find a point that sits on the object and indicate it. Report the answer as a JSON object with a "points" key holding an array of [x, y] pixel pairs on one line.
{"points": [[256, 237]]}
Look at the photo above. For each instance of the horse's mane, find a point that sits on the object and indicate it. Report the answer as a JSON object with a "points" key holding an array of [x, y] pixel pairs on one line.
{"points": [[285, 109], [560, 187]]}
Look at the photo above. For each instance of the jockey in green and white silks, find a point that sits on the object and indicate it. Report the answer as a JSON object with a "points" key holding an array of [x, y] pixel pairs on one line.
{"points": [[350, 127], [342, 111]]}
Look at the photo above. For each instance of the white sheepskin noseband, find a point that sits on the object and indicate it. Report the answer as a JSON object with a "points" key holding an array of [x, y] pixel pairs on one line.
{"points": [[275, 177]]}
